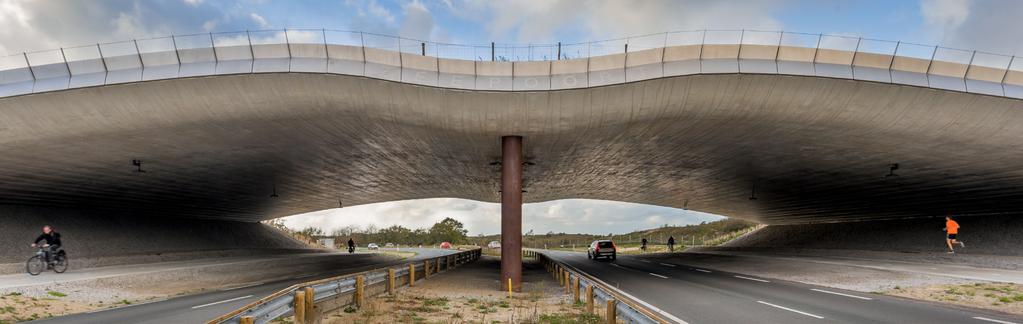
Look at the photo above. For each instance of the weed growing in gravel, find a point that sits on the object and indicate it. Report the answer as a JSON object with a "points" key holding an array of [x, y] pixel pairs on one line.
{"points": [[56, 294], [443, 301], [584, 318]]}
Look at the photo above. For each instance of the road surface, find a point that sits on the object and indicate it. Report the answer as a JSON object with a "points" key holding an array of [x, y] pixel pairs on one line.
{"points": [[205, 306], [702, 295]]}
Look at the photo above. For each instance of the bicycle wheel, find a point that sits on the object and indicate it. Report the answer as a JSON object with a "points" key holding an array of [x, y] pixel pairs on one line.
{"points": [[61, 265], [35, 265]]}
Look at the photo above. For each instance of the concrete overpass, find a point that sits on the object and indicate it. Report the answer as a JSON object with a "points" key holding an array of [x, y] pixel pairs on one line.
{"points": [[781, 128]]}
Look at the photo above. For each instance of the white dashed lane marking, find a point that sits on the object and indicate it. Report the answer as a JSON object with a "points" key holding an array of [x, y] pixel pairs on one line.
{"points": [[841, 294], [754, 279], [221, 302], [789, 309]]}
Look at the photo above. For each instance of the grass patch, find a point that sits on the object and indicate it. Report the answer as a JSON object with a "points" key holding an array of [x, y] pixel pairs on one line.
{"points": [[584, 318], [443, 301], [56, 294]]}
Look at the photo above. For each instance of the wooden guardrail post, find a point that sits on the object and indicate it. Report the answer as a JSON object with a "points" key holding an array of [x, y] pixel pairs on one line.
{"points": [[568, 282], [426, 269], [611, 312], [310, 304], [438, 265], [411, 274], [299, 307], [390, 282], [360, 291], [589, 299], [575, 290], [247, 320]]}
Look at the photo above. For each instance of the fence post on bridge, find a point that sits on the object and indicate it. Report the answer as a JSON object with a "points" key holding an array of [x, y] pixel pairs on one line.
{"points": [[438, 265], [426, 269], [246, 320]]}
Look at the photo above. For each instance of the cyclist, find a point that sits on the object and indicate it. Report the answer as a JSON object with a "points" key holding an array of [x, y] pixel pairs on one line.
{"points": [[351, 245], [52, 244], [671, 243], [643, 247]]}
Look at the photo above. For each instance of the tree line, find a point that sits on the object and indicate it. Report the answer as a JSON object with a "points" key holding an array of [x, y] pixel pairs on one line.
{"points": [[446, 230]]}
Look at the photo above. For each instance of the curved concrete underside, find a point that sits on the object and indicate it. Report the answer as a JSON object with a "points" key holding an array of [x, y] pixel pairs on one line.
{"points": [[813, 149]]}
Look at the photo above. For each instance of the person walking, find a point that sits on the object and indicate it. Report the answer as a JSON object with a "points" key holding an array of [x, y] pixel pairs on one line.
{"points": [[952, 229], [671, 243]]}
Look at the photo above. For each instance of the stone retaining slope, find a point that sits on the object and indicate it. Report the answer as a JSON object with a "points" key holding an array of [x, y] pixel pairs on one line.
{"points": [[94, 238], [988, 235]]}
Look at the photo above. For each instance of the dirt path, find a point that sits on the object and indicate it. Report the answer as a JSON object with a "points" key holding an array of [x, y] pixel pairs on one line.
{"points": [[470, 295]]}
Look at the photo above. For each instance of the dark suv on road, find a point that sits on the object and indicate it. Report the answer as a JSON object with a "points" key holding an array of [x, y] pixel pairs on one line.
{"points": [[602, 248]]}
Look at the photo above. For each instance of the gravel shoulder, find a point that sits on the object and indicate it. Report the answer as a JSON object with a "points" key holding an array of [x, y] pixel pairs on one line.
{"points": [[470, 294], [49, 294], [954, 284]]}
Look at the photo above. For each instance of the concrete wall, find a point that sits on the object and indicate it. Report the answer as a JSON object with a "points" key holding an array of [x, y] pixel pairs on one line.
{"points": [[97, 235], [993, 235]]}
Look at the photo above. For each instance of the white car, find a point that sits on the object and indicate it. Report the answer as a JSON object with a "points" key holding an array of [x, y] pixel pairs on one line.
{"points": [[372, 246], [494, 245], [389, 245]]}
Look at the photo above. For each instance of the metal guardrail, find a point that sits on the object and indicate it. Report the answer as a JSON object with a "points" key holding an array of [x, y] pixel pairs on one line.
{"points": [[307, 300], [504, 67], [618, 306]]}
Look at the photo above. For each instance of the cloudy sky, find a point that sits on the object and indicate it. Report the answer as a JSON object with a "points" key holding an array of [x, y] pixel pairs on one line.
{"points": [[986, 25]]}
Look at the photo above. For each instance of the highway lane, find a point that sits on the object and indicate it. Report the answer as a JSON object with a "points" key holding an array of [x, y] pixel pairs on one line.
{"points": [[701, 295], [204, 306]]}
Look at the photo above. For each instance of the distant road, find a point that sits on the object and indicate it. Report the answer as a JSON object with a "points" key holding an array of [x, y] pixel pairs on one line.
{"points": [[205, 306], [700, 295]]}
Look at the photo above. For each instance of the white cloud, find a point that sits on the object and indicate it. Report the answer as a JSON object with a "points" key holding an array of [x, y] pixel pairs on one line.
{"points": [[949, 14], [417, 22], [259, 20], [193, 3], [546, 20], [992, 26], [570, 216]]}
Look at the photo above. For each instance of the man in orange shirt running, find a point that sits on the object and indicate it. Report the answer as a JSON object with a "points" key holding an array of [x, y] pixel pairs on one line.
{"points": [[952, 228]]}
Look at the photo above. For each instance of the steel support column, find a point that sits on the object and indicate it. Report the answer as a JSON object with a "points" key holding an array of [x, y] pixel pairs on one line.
{"points": [[511, 212]]}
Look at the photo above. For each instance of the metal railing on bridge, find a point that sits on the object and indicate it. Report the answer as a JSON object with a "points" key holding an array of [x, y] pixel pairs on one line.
{"points": [[511, 67]]}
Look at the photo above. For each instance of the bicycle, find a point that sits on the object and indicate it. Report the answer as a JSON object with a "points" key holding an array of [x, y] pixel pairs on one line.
{"points": [[38, 263]]}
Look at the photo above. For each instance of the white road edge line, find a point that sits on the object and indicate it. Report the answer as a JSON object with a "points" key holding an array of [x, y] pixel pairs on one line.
{"points": [[701, 270], [789, 309], [754, 279], [658, 276], [992, 320], [222, 301], [240, 287], [667, 264], [841, 294], [647, 261], [640, 301]]}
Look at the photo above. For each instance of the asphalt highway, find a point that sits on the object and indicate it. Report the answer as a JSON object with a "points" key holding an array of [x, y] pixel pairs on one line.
{"points": [[703, 295], [199, 308]]}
